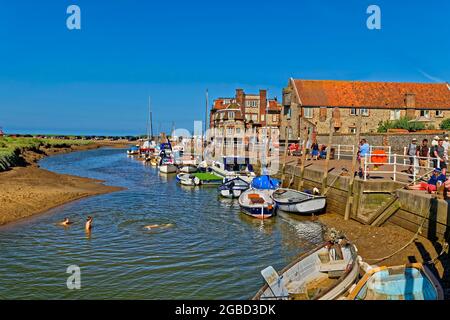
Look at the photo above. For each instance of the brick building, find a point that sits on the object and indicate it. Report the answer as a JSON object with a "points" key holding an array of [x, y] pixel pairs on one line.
{"points": [[311, 104], [233, 117]]}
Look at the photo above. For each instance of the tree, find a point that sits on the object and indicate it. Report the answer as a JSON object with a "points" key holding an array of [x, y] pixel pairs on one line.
{"points": [[402, 123], [445, 124]]}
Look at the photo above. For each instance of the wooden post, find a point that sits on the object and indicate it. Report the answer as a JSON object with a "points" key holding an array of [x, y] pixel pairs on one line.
{"points": [[327, 161], [352, 172], [302, 165], [286, 141]]}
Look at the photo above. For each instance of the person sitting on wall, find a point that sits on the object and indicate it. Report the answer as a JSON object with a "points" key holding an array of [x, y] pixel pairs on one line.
{"points": [[431, 185], [323, 152]]}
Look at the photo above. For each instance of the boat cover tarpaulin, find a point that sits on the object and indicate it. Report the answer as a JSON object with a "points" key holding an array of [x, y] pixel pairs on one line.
{"points": [[265, 182]]}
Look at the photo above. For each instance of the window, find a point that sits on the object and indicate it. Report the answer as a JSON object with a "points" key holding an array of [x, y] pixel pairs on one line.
{"points": [[252, 103], [425, 113], [364, 112], [238, 130], [308, 112], [247, 117], [231, 115], [439, 113], [263, 117], [287, 112], [274, 118], [230, 131], [254, 117], [352, 130], [353, 112], [395, 114]]}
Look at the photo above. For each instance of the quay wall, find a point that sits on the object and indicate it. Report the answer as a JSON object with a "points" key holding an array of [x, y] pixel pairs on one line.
{"points": [[374, 199]]}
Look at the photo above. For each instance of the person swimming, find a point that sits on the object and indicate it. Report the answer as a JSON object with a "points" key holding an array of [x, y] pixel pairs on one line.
{"points": [[88, 225], [66, 222], [155, 226]]}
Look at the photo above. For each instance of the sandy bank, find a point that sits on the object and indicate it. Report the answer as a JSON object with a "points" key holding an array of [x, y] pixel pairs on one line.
{"points": [[29, 190]]}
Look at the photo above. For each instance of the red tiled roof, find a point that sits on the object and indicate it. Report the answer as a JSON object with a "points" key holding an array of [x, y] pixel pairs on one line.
{"points": [[389, 95], [274, 105]]}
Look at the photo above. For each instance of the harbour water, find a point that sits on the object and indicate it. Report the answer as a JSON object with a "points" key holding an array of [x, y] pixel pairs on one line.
{"points": [[212, 251]]}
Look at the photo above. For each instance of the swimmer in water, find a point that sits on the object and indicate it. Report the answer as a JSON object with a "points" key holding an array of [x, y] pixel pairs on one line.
{"points": [[89, 223], [154, 226], [66, 222]]}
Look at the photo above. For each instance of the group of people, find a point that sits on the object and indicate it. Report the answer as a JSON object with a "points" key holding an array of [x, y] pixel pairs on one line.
{"points": [[419, 155], [88, 225]]}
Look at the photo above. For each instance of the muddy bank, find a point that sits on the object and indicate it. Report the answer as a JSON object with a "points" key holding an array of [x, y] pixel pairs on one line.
{"points": [[374, 243], [27, 190]]}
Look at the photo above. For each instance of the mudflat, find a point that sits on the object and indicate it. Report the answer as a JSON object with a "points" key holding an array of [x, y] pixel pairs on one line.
{"points": [[29, 190], [25, 191]]}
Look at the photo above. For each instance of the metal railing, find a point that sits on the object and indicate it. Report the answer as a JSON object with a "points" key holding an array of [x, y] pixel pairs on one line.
{"points": [[397, 163]]}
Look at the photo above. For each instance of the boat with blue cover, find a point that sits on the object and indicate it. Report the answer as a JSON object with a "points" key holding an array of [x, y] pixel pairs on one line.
{"points": [[257, 201], [407, 282]]}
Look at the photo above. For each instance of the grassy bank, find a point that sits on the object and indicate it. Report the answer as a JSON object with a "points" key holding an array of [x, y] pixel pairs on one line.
{"points": [[11, 148]]}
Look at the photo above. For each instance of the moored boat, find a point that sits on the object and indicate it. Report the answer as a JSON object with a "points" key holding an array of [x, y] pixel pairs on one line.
{"points": [[186, 179], [257, 203], [189, 168], [133, 151], [325, 273], [407, 282], [298, 202], [233, 188], [167, 166]]}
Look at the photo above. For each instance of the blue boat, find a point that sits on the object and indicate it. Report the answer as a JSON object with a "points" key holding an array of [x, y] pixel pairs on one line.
{"points": [[257, 201], [407, 282]]}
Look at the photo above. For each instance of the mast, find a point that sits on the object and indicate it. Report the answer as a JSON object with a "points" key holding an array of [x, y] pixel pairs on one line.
{"points": [[206, 120], [149, 119]]}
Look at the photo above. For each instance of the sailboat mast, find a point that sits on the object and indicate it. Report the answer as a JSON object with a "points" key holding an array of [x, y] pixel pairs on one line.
{"points": [[206, 120], [149, 118]]}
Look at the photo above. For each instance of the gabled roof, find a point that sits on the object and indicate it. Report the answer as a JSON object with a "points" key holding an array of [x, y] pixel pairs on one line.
{"points": [[387, 95]]}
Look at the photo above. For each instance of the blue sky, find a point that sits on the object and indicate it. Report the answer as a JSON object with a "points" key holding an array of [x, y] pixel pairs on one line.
{"points": [[97, 80]]}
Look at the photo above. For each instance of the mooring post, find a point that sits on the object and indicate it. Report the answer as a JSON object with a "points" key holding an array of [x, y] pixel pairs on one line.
{"points": [[352, 172], [327, 161], [302, 165], [283, 172]]}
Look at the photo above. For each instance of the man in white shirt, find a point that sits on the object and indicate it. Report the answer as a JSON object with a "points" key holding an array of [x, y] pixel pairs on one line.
{"points": [[445, 145]]}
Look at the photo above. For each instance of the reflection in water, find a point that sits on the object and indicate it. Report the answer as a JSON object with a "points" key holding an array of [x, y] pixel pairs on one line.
{"points": [[212, 251]]}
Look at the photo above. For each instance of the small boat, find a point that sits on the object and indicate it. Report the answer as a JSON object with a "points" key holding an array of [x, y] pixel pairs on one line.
{"points": [[154, 161], [233, 188], [257, 203], [407, 282], [325, 273], [167, 166], [133, 151], [186, 179], [188, 169], [206, 178], [298, 202]]}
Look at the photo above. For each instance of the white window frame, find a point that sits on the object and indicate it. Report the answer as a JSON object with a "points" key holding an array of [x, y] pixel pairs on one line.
{"points": [[364, 112], [353, 113], [439, 113], [231, 115], [395, 114], [308, 112], [425, 113]]}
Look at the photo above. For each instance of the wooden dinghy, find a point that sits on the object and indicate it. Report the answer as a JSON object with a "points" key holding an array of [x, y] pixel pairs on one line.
{"points": [[257, 203], [325, 273], [407, 282], [294, 201]]}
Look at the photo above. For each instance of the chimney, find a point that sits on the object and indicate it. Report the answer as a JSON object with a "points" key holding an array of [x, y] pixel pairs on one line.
{"points": [[410, 103], [240, 99], [262, 106]]}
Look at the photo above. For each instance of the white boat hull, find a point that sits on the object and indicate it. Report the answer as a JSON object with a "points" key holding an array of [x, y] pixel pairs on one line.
{"points": [[188, 169], [231, 193], [307, 207], [168, 168]]}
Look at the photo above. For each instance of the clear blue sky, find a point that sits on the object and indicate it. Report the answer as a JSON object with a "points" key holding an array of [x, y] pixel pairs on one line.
{"points": [[97, 80]]}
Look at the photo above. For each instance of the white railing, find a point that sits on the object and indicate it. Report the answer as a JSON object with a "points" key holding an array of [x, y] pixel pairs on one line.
{"points": [[342, 150], [398, 163]]}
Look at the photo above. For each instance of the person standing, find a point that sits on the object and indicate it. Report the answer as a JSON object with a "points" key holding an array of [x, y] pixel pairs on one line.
{"points": [[315, 150], [364, 150], [439, 153], [423, 152], [411, 152], [446, 145], [434, 144]]}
